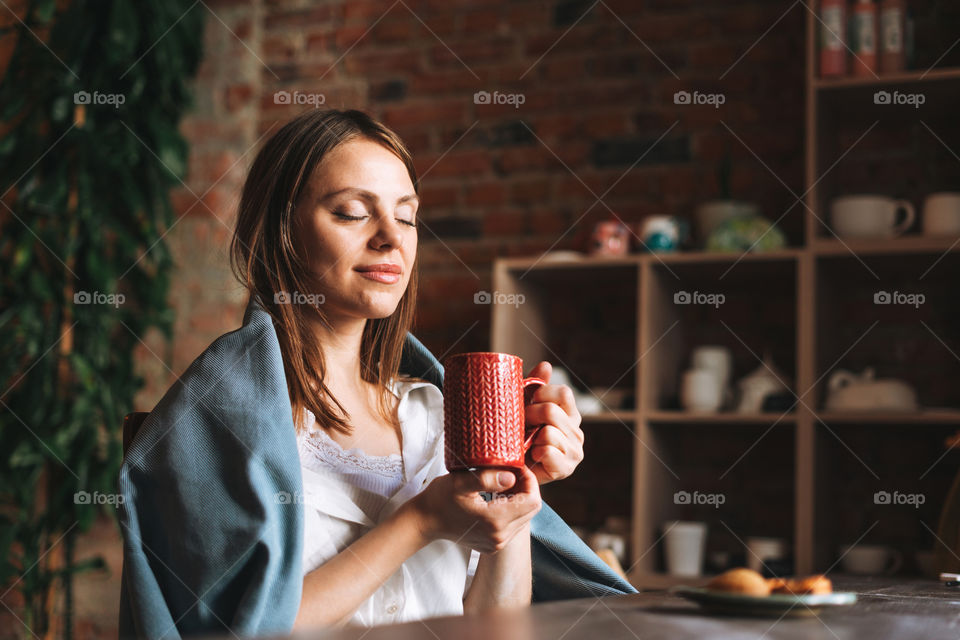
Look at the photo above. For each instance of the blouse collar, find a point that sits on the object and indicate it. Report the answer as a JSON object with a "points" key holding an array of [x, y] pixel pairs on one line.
{"points": [[421, 428]]}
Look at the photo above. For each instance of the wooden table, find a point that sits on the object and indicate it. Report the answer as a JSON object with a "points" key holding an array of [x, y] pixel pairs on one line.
{"points": [[885, 609]]}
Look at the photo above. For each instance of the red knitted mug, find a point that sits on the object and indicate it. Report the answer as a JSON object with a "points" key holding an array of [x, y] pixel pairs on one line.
{"points": [[483, 410]]}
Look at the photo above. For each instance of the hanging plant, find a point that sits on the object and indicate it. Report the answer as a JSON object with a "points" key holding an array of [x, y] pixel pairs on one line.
{"points": [[89, 149]]}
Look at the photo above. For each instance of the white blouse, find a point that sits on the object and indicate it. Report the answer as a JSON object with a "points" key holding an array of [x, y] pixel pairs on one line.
{"points": [[346, 493]]}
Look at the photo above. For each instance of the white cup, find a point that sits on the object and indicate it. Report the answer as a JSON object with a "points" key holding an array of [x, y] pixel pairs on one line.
{"points": [[762, 550], [941, 214], [870, 560], [701, 391], [715, 358], [870, 216], [684, 543], [615, 542]]}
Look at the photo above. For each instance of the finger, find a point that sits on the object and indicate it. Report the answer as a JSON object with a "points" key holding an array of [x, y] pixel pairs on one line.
{"points": [[488, 480], [552, 463], [551, 436], [527, 481], [543, 370], [551, 414], [560, 394]]}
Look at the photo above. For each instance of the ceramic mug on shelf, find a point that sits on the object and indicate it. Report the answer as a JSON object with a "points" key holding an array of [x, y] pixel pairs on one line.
{"points": [[684, 544], [941, 214], [701, 391], [760, 551], [870, 560], [716, 358], [870, 216], [661, 233], [610, 238]]}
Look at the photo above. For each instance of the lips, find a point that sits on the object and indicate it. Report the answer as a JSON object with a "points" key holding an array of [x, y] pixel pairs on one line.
{"points": [[384, 272], [383, 267]]}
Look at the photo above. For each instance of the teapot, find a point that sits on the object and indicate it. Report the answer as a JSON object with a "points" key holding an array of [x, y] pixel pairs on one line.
{"points": [[763, 381], [848, 391]]}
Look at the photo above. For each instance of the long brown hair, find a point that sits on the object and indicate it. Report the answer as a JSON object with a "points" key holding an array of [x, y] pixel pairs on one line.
{"points": [[264, 257]]}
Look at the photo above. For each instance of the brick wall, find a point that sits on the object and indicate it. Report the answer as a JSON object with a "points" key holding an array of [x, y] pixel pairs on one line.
{"points": [[597, 83]]}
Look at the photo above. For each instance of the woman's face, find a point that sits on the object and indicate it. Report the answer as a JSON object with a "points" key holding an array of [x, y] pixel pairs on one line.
{"points": [[357, 212]]}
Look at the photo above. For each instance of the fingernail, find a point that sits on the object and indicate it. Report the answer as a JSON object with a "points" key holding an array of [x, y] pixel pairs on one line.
{"points": [[503, 477]]}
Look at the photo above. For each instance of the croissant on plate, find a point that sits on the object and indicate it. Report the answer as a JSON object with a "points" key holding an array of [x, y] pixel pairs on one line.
{"points": [[751, 583]]}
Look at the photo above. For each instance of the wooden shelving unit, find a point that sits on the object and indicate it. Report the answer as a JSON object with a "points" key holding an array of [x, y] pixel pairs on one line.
{"points": [[804, 475]]}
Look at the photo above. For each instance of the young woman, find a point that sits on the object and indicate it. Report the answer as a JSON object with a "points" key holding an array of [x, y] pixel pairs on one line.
{"points": [[343, 254], [320, 455]]}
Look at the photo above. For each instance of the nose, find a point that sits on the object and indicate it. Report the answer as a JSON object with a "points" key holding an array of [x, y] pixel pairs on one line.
{"points": [[388, 234]]}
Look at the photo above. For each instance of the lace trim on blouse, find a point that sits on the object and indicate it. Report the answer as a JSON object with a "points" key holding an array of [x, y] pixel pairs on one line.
{"points": [[324, 449]]}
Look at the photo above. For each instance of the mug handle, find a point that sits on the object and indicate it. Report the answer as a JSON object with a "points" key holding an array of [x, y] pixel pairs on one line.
{"points": [[528, 441], [911, 215]]}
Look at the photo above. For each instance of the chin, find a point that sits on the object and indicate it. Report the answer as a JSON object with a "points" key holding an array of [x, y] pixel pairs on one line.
{"points": [[381, 312], [382, 308]]}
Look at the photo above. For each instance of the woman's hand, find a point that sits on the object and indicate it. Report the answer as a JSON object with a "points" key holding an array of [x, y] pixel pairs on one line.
{"points": [[452, 508], [557, 448]]}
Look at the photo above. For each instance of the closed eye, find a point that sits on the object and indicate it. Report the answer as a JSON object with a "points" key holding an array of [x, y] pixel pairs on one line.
{"points": [[346, 216]]}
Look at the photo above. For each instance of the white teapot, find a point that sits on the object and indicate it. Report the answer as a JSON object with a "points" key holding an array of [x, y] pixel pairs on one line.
{"points": [[848, 391], [755, 387]]}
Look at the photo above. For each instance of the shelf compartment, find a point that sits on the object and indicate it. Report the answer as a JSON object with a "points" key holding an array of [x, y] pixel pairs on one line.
{"points": [[917, 342], [680, 318], [600, 486], [581, 319], [855, 463], [752, 466]]}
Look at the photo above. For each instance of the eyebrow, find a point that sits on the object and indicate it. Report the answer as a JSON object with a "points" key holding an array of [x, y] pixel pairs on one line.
{"points": [[367, 195]]}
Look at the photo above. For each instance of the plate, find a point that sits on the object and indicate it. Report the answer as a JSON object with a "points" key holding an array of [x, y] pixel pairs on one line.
{"points": [[775, 605]]}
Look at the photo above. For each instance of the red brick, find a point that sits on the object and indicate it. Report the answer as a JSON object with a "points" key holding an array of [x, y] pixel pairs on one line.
{"points": [[368, 10], [490, 51], [501, 223], [399, 30], [237, 96], [523, 17], [439, 82], [432, 195], [672, 27], [480, 21], [319, 42], [281, 48], [297, 18], [583, 37], [559, 69], [485, 193], [526, 159], [350, 36], [549, 222], [457, 287], [380, 61], [456, 163], [536, 190], [419, 114], [555, 125]]}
